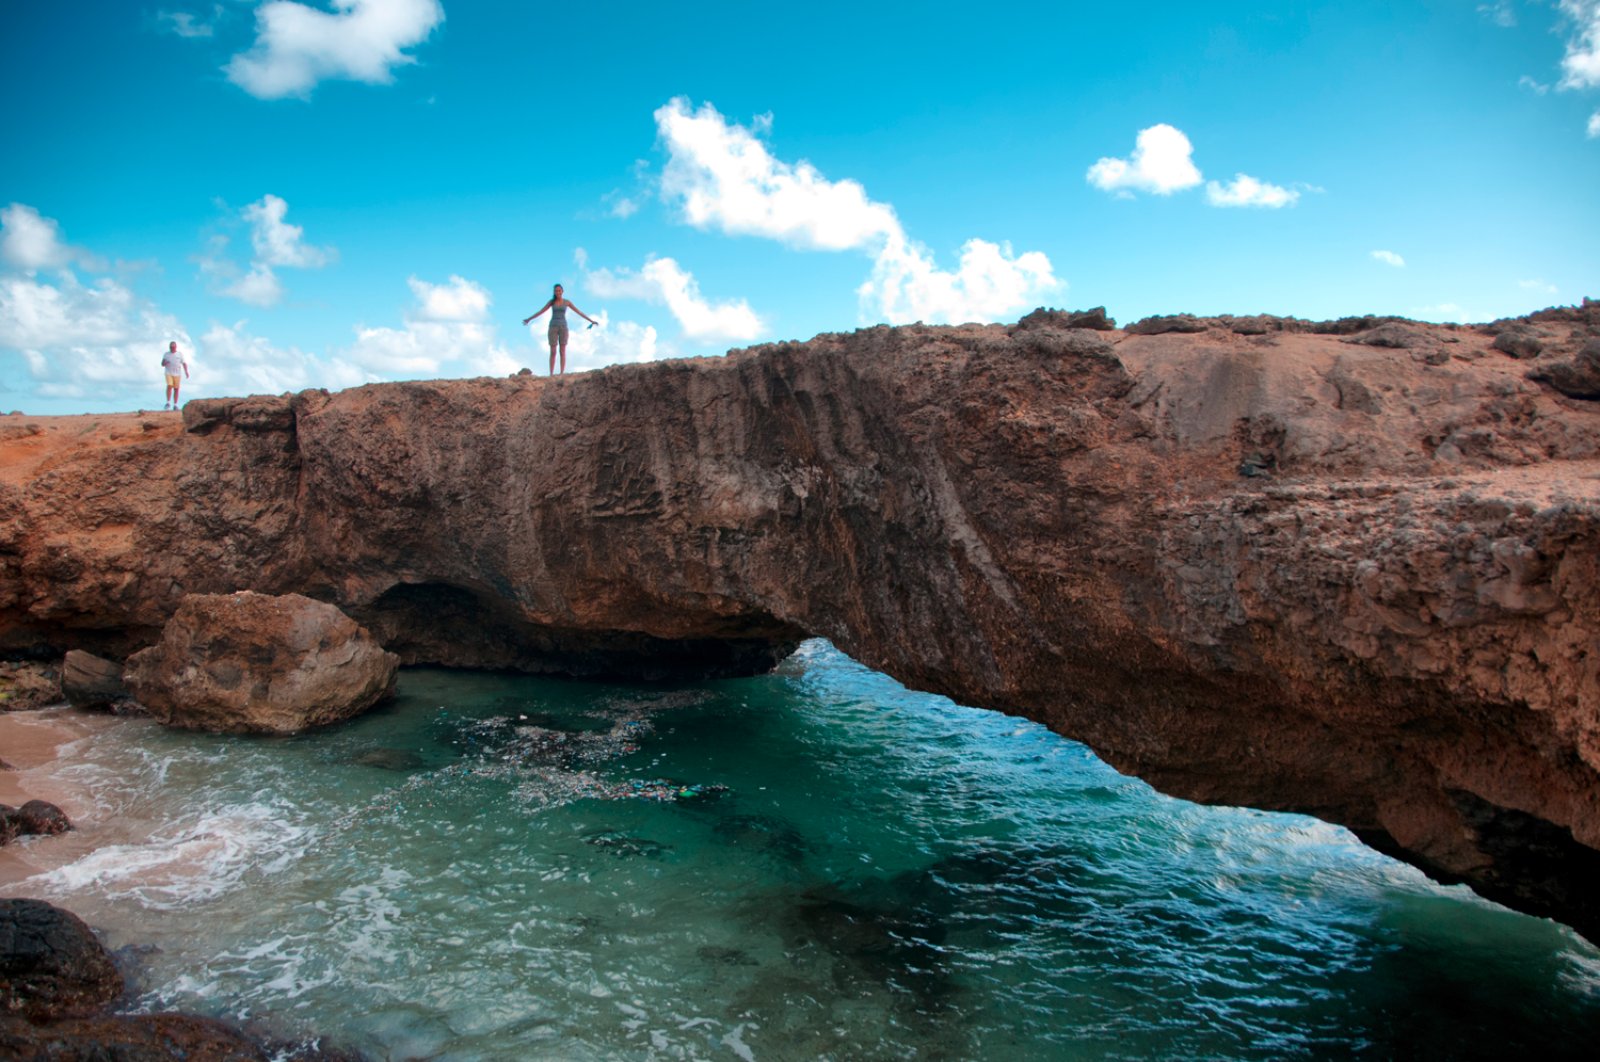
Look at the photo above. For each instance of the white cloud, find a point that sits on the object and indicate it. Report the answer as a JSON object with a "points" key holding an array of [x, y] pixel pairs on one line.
{"points": [[183, 24], [275, 243], [1247, 191], [259, 287], [1161, 163], [664, 282], [1580, 67], [1538, 88], [722, 176], [361, 40], [1389, 258], [237, 363], [448, 327], [1539, 285], [95, 342], [1501, 13], [609, 344], [906, 285], [30, 241], [1594, 125], [458, 300]]}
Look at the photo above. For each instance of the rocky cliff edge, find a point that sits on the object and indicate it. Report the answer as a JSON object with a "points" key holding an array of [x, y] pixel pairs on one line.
{"points": [[1346, 568]]}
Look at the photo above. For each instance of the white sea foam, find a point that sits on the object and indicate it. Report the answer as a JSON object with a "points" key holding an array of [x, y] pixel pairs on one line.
{"points": [[190, 861]]}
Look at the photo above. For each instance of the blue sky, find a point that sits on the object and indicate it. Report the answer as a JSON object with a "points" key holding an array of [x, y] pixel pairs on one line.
{"points": [[338, 191]]}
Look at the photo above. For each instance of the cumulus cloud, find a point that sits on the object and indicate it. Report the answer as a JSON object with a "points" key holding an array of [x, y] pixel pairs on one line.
{"points": [[909, 287], [31, 241], [360, 40], [613, 342], [80, 341], [1540, 285], [721, 176], [1594, 125], [238, 363], [664, 282], [1161, 163], [448, 326], [1580, 67], [184, 24], [274, 243], [259, 287], [1389, 258], [1247, 191], [1533, 85]]}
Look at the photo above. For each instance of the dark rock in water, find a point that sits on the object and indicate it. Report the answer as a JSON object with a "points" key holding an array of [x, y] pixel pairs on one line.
{"points": [[623, 844], [259, 663], [9, 827], [90, 681], [1578, 378], [389, 759], [27, 685], [720, 956], [763, 833], [42, 818], [51, 965]]}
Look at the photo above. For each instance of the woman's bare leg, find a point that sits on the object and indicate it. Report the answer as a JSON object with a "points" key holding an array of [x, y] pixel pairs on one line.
{"points": [[563, 355], [553, 358]]}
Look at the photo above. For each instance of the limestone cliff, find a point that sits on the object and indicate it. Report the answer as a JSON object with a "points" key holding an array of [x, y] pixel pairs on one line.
{"points": [[1349, 568]]}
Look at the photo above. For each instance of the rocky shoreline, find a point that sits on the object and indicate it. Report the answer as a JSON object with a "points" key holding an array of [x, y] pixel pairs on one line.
{"points": [[1346, 568]]}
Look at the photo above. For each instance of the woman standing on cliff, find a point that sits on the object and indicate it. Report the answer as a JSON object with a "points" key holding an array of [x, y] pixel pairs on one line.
{"points": [[558, 307]]}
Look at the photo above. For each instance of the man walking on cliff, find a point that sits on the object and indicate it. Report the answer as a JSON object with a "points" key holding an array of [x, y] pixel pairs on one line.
{"points": [[171, 363]]}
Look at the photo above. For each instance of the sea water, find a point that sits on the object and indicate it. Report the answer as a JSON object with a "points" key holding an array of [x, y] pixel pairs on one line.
{"points": [[815, 863]]}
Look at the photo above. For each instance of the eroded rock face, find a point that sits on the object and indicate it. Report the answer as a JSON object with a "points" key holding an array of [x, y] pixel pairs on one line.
{"points": [[90, 681], [259, 663], [1262, 566]]}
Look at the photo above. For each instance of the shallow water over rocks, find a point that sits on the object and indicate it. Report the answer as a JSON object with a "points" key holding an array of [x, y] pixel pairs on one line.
{"points": [[814, 863]]}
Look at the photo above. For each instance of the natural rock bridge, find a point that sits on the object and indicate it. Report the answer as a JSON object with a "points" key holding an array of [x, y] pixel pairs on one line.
{"points": [[1350, 569]]}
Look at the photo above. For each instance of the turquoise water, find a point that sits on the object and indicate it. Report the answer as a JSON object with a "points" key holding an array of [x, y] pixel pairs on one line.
{"points": [[815, 863]]}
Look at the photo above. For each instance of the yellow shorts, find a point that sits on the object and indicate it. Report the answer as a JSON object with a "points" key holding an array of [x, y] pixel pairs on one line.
{"points": [[172, 381]]}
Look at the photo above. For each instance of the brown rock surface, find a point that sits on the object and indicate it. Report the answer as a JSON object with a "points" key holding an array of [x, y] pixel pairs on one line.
{"points": [[260, 663], [1267, 567]]}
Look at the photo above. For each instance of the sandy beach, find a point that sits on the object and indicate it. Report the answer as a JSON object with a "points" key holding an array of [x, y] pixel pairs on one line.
{"points": [[32, 744]]}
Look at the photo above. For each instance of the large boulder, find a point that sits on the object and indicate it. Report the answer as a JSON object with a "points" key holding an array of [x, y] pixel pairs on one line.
{"points": [[51, 965], [90, 681], [259, 663]]}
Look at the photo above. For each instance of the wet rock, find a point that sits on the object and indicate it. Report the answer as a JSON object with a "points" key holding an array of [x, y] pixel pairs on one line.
{"points": [[129, 1038], [41, 818], [51, 964], [26, 686], [10, 828], [260, 663], [90, 681], [389, 759]]}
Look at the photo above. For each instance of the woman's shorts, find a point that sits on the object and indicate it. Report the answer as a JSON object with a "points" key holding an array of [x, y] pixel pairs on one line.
{"points": [[558, 332]]}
